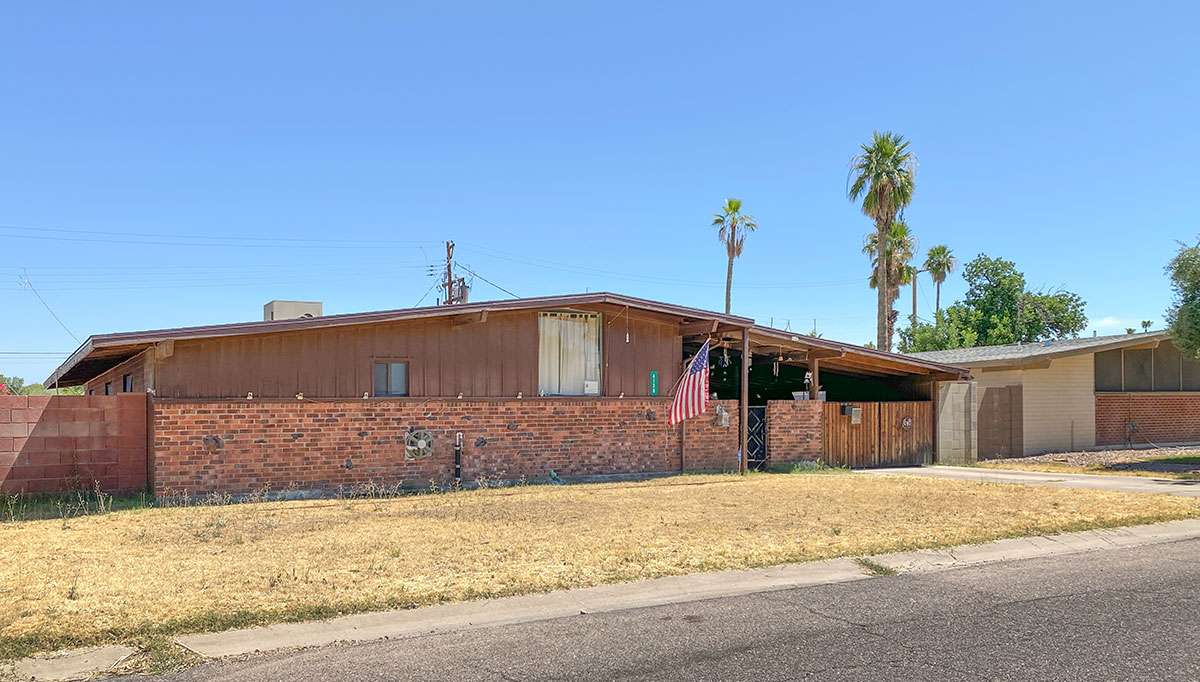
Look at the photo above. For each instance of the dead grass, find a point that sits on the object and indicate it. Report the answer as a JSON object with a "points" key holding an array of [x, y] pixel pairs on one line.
{"points": [[130, 575]]}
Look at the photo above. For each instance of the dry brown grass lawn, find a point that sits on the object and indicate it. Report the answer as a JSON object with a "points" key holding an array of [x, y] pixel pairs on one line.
{"points": [[134, 574]]}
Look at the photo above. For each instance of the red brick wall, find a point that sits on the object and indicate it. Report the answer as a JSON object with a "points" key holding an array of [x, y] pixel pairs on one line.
{"points": [[60, 443], [243, 446], [794, 430], [1161, 418]]}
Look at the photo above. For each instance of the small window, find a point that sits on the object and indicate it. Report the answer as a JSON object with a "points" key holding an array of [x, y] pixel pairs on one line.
{"points": [[1108, 370], [569, 353], [391, 379], [127, 383], [91, 391], [1166, 367], [1139, 370], [108, 388]]}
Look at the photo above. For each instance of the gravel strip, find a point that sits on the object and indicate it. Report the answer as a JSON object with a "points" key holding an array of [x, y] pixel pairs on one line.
{"points": [[1118, 459]]}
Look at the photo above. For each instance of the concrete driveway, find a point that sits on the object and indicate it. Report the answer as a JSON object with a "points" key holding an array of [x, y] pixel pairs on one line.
{"points": [[1127, 484]]}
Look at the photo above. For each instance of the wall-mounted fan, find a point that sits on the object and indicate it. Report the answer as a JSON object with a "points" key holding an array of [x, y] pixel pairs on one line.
{"points": [[418, 444]]}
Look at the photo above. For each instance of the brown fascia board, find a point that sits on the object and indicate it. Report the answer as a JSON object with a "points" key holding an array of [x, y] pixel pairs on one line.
{"points": [[345, 319], [851, 349], [1149, 340]]}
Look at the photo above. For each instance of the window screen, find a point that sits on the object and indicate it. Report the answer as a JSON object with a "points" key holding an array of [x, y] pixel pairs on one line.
{"points": [[1108, 370], [1139, 370], [1166, 367], [1191, 375], [127, 383], [391, 379], [569, 353]]}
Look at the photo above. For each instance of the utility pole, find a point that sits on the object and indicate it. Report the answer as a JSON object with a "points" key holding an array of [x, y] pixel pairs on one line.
{"points": [[449, 273]]}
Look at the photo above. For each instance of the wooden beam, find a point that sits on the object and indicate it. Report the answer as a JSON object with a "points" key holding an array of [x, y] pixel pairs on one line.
{"points": [[472, 318], [814, 388], [820, 353], [699, 328], [744, 406]]}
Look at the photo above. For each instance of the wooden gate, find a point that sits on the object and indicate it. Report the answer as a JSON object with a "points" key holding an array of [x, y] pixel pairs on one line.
{"points": [[887, 434], [1000, 425]]}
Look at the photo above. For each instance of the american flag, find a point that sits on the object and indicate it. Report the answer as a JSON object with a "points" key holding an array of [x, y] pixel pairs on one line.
{"points": [[691, 397]]}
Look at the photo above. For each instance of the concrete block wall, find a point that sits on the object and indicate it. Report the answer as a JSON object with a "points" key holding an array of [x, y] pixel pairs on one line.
{"points": [[955, 420], [244, 446], [794, 430], [1160, 418], [52, 444]]}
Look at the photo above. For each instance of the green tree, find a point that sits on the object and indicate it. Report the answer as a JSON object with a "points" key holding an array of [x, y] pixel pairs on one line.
{"points": [[998, 309], [883, 176], [939, 262], [12, 385], [901, 245], [1146, 324], [1183, 317], [733, 226], [948, 331]]}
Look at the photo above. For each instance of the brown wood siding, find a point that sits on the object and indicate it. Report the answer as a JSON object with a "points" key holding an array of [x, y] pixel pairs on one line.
{"points": [[653, 346], [900, 446], [494, 358], [880, 439], [135, 366]]}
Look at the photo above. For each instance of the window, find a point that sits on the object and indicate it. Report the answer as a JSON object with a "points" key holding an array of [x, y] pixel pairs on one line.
{"points": [[127, 383], [391, 379], [569, 353], [108, 388], [1108, 370], [1161, 368]]}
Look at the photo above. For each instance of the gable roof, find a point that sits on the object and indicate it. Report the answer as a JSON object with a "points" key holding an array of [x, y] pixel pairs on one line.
{"points": [[1015, 354], [102, 352]]}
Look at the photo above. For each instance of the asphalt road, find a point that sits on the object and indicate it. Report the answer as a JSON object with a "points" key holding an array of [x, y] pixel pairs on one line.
{"points": [[1122, 614]]}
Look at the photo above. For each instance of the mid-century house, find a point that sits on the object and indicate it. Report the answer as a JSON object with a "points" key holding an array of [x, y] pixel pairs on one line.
{"points": [[576, 385], [1075, 394]]}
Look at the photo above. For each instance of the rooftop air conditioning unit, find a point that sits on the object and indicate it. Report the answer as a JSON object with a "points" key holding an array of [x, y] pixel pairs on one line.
{"points": [[291, 310]]}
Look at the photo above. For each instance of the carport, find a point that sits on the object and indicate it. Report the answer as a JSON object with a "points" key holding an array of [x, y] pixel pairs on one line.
{"points": [[877, 407]]}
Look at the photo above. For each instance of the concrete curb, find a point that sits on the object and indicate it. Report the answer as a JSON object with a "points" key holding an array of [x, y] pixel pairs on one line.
{"points": [[564, 603], [72, 665]]}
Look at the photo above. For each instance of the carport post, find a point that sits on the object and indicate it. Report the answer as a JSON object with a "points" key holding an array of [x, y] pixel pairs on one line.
{"points": [[744, 403]]}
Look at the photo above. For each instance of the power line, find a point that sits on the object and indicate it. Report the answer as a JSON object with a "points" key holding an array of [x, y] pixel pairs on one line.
{"points": [[371, 242], [576, 269], [476, 274], [213, 244], [60, 322]]}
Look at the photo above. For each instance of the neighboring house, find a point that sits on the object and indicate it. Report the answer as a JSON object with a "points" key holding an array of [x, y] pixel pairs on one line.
{"points": [[576, 385], [1084, 393]]}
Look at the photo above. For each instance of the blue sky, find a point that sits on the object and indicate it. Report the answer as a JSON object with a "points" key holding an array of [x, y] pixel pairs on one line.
{"points": [[575, 146]]}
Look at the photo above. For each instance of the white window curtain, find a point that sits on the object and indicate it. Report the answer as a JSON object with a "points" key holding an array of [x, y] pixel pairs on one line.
{"points": [[569, 353]]}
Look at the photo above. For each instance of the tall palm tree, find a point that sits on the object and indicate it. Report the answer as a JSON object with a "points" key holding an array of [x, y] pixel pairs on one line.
{"points": [[892, 266], [939, 262], [734, 226], [882, 176]]}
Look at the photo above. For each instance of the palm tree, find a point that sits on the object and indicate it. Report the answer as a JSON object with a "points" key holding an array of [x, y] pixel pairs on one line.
{"points": [[1146, 325], [893, 268], [939, 262], [882, 176], [734, 226]]}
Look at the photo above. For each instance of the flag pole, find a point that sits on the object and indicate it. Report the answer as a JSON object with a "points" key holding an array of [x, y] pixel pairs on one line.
{"points": [[744, 407]]}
